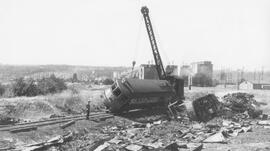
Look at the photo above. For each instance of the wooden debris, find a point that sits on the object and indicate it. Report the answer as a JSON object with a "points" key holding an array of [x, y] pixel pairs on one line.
{"points": [[99, 143], [105, 117], [157, 122], [172, 147], [246, 129], [154, 145], [67, 124], [197, 126], [102, 147], [133, 147], [23, 129], [199, 148], [115, 141], [59, 139], [216, 138], [98, 119], [267, 127], [267, 122]]}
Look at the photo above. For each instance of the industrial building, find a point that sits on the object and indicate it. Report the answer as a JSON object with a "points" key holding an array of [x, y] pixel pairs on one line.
{"points": [[185, 70], [201, 72], [202, 67]]}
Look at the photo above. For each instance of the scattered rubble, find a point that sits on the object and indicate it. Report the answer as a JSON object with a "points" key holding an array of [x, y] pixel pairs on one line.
{"points": [[216, 138], [135, 137], [242, 102], [133, 147], [236, 106], [210, 126], [264, 122], [59, 139], [102, 147]]}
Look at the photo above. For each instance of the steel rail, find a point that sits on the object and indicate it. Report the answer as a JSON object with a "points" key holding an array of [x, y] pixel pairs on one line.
{"points": [[51, 119], [54, 121], [65, 117]]}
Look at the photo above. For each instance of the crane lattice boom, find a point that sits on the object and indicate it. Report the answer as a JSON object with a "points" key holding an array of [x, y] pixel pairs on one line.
{"points": [[158, 61]]}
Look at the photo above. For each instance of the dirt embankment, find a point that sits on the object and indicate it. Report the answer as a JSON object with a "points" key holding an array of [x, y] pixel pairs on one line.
{"points": [[69, 102], [26, 109]]}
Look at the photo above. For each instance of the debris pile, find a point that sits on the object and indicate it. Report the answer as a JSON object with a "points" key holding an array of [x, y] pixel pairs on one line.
{"points": [[59, 139], [242, 102], [170, 135], [210, 127], [139, 136]]}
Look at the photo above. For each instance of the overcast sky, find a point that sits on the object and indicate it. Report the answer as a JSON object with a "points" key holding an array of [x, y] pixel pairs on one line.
{"points": [[232, 33]]}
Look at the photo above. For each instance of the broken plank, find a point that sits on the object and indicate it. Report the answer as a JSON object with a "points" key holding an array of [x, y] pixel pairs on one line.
{"points": [[24, 129], [102, 147], [67, 124], [98, 119], [199, 148], [106, 117]]}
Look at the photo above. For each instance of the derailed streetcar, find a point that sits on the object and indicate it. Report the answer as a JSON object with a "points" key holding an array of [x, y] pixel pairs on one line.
{"points": [[127, 94]]}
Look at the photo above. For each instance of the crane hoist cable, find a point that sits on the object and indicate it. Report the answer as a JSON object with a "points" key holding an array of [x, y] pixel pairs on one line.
{"points": [[137, 44], [159, 41], [139, 3], [138, 39]]}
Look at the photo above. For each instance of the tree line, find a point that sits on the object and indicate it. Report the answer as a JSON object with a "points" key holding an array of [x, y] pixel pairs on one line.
{"points": [[31, 87]]}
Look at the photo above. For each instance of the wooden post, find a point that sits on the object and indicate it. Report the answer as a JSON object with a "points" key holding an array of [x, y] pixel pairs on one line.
{"points": [[189, 81]]}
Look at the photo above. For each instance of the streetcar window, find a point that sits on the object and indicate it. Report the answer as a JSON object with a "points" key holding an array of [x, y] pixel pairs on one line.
{"points": [[117, 92]]}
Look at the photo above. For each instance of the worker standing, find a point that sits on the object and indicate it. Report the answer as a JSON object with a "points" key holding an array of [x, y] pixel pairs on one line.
{"points": [[87, 110]]}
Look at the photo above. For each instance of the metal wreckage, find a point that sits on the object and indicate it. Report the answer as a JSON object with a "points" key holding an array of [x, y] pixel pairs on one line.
{"points": [[127, 93]]}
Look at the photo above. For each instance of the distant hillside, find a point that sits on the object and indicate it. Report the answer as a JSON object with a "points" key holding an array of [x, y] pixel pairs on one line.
{"points": [[11, 72]]}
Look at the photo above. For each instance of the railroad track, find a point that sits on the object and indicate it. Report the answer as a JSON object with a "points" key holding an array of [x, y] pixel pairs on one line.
{"points": [[34, 125]]}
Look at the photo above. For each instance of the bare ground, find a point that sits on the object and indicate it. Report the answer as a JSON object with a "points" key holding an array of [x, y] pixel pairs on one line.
{"points": [[86, 133]]}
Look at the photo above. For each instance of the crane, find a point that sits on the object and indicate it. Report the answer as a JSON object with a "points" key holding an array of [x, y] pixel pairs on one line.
{"points": [[159, 65], [175, 81], [130, 93]]}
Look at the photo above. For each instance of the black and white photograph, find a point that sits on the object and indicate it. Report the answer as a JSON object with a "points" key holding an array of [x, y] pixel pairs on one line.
{"points": [[134, 75]]}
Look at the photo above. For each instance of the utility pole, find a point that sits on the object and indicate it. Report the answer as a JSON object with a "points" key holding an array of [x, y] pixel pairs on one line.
{"points": [[242, 74], [259, 78], [262, 73], [226, 78], [254, 75], [189, 81], [237, 79]]}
